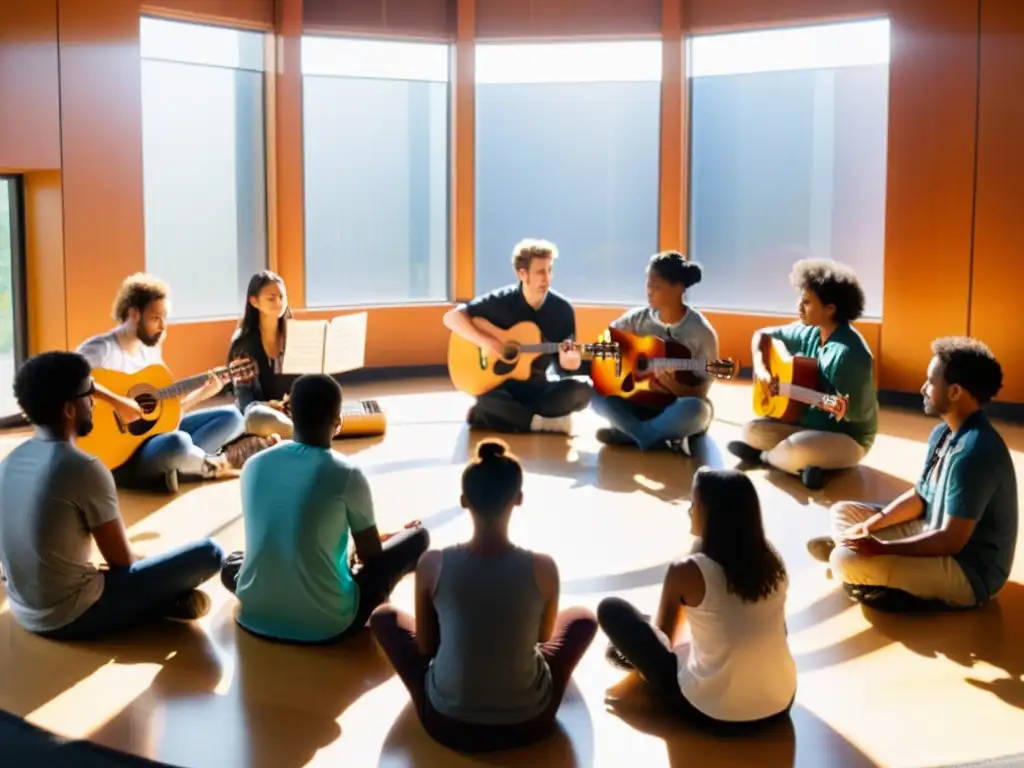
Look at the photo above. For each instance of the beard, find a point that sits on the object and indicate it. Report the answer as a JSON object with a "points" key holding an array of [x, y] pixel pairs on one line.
{"points": [[83, 426], [936, 409], [150, 340]]}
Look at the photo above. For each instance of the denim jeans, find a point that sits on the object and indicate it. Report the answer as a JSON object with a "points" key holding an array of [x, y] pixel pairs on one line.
{"points": [[201, 434], [685, 417], [144, 591]]}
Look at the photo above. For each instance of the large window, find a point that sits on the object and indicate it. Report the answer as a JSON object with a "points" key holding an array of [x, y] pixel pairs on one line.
{"points": [[567, 138], [375, 139], [12, 293], [204, 158], [789, 132]]}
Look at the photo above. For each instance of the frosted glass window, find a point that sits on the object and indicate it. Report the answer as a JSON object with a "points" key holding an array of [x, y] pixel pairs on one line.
{"points": [[788, 159], [204, 175], [567, 147], [8, 324], [375, 139]]}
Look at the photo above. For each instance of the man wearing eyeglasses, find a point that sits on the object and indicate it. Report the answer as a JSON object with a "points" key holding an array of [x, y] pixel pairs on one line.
{"points": [[57, 500]]}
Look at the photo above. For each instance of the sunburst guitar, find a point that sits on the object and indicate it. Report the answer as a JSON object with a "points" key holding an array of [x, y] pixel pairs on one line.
{"points": [[795, 387], [642, 358], [113, 440], [476, 371]]}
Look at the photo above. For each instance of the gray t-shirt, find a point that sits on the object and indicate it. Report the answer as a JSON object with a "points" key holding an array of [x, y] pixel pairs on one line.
{"points": [[103, 351], [52, 496], [693, 331]]}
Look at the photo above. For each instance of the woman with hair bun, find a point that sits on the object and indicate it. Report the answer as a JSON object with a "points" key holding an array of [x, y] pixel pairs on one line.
{"points": [[488, 656], [666, 317]]}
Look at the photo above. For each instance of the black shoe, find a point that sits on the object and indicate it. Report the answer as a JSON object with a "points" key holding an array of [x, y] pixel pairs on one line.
{"points": [[612, 436], [813, 478], [745, 453], [189, 607]]}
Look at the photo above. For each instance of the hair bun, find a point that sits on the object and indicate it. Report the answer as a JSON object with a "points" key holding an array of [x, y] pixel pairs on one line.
{"points": [[692, 273], [487, 449]]}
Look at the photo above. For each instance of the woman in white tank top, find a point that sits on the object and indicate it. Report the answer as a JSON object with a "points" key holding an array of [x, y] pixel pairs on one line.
{"points": [[730, 663]]}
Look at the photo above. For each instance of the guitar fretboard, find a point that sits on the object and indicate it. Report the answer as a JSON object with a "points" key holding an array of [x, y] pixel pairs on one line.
{"points": [[551, 347], [802, 394], [677, 364], [183, 387]]}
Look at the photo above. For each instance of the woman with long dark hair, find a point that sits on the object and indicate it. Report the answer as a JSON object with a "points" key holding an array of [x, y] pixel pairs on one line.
{"points": [[488, 656], [260, 336], [732, 667]]}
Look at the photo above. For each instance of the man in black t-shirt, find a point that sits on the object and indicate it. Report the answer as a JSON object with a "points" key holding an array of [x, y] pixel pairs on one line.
{"points": [[538, 404]]}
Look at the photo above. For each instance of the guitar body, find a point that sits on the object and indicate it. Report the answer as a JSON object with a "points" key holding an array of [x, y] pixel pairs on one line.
{"points": [[114, 442], [476, 371], [362, 418], [633, 380], [789, 369]]}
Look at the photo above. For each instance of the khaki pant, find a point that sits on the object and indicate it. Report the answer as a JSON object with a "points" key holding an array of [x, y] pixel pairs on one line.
{"points": [[792, 448], [262, 420], [929, 578]]}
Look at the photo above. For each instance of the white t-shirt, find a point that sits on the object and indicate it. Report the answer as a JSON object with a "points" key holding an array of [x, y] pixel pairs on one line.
{"points": [[104, 351], [735, 664]]}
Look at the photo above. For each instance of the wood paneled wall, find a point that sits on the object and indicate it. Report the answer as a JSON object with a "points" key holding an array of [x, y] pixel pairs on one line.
{"points": [[953, 222]]}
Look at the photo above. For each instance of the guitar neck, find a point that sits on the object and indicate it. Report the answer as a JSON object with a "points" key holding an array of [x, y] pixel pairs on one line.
{"points": [[802, 394], [677, 364], [183, 387], [551, 348]]}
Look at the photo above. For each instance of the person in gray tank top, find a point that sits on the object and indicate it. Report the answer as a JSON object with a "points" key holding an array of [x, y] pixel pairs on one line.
{"points": [[488, 656]]}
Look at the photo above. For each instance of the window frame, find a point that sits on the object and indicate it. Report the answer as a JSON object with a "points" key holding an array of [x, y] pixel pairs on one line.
{"points": [[19, 284]]}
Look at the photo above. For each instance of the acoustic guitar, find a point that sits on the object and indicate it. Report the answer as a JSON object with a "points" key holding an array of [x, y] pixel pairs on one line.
{"points": [[112, 440], [795, 386], [641, 358], [476, 371]]}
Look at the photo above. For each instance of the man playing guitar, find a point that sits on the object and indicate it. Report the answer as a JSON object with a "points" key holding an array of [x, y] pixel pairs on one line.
{"points": [[195, 449], [537, 404], [668, 318], [831, 298]]}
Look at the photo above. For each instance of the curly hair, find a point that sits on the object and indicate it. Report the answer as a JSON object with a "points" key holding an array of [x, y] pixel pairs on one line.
{"points": [[833, 283], [971, 364], [46, 382], [672, 267], [525, 251], [138, 291]]}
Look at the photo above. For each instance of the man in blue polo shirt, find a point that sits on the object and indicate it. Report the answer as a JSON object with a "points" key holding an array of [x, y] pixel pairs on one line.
{"points": [[952, 537]]}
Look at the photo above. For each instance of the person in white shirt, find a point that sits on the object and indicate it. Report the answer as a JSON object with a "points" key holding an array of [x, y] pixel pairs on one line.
{"points": [[197, 447], [732, 667]]}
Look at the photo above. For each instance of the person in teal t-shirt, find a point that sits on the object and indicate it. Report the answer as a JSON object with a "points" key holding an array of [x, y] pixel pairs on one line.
{"points": [[953, 536], [299, 503], [831, 298]]}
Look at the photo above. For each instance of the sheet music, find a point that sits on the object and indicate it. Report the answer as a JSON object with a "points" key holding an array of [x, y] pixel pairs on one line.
{"points": [[304, 347], [345, 345]]}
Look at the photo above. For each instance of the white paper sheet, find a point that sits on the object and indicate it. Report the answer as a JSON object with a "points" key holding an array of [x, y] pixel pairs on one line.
{"points": [[304, 347], [319, 346]]}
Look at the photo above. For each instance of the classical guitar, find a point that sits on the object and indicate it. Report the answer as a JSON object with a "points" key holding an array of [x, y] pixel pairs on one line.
{"points": [[642, 357], [112, 440], [795, 386], [475, 371]]}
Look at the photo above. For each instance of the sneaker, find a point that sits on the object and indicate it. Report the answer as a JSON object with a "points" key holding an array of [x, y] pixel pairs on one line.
{"points": [[612, 436], [189, 607], [813, 478], [242, 450], [558, 424], [681, 446], [744, 452], [821, 548]]}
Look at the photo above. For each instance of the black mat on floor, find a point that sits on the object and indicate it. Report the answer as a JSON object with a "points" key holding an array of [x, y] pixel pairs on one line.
{"points": [[23, 744]]}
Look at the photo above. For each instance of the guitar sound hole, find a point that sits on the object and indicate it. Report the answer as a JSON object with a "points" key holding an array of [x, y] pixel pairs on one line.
{"points": [[642, 364], [147, 403]]}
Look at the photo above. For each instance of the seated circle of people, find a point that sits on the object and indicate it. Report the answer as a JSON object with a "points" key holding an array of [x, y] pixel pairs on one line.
{"points": [[488, 656], [666, 317], [301, 502], [209, 443], [950, 540], [57, 501], [261, 337], [717, 651], [538, 404], [830, 300]]}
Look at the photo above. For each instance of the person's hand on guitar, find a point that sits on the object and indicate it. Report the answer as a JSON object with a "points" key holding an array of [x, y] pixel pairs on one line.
{"points": [[569, 355], [214, 384], [126, 409], [667, 382]]}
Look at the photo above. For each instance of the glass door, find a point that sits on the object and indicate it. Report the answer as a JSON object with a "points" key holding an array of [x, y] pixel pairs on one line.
{"points": [[13, 335]]}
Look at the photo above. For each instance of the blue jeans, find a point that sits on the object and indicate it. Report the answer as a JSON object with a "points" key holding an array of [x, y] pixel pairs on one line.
{"points": [[144, 591], [201, 434], [685, 417]]}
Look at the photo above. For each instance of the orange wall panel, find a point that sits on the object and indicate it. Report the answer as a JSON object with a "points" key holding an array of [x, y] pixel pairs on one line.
{"points": [[930, 184], [497, 19], [998, 266], [256, 14], [29, 100], [101, 110], [44, 257]]}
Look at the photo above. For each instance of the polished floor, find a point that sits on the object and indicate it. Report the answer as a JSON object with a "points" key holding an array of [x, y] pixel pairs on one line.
{"points": [[874, 689]]}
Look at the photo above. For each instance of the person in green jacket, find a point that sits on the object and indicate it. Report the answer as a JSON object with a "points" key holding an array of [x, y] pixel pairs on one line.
{"points": [[831, 299]]}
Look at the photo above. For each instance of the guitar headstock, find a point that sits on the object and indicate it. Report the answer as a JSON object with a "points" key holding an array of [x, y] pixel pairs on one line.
{"points": [[603, 350], [722, 369], [835, 405], [241, 370]]}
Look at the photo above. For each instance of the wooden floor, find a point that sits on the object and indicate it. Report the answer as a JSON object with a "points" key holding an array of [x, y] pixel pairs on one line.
{"points": [[874, 689]]}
